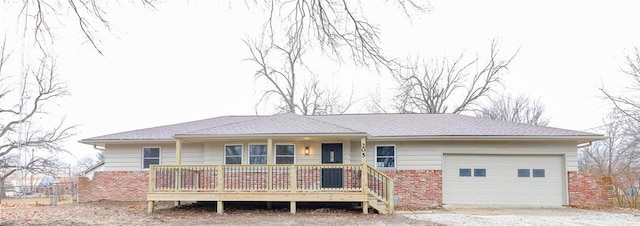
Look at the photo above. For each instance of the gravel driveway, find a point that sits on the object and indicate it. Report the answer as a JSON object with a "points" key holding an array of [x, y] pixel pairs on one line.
{"points": [[525, 216]]}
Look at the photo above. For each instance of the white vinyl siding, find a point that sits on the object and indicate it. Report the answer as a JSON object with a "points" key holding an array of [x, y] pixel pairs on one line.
{"points": [[427, 155], [214, 153], [355, 152], [118, 157], [128, 157], [192, 154]]}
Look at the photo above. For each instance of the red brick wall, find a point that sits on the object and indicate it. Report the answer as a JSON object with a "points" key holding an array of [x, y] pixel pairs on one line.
{"points": [[114, 185], [586, 190], [417, 188], [413, 188]]}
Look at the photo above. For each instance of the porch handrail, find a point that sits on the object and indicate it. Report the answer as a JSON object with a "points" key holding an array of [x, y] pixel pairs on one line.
{"points": [[251, 178], [279, 178], [381, 186]]}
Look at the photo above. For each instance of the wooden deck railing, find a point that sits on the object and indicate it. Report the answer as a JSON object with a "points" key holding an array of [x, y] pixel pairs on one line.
{"points": [[252, 178], [356, 178]]}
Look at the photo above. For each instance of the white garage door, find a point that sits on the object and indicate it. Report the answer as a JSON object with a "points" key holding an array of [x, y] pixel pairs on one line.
{"points": [[502, 180]]}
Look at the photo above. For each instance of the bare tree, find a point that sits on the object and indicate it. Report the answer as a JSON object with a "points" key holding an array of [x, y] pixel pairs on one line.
{"points": [[617, 158], [450, 86], [618, 154], [338, 28], [27, 142], [520, 109], [628, 101], [84, 163], [375, 103], [41, 19], [283, 70]]}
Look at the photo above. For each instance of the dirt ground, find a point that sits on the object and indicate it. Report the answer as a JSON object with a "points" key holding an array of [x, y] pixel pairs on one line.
{"points": [[134, 213]]}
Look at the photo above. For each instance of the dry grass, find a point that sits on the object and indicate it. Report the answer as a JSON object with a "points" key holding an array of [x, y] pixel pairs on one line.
{"points": [[134, 213], [9, 202]]}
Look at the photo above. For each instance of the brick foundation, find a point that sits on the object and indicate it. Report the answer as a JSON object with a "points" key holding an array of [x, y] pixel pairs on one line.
{"points": [[417, 188], [114, 185], [586, 190], [413, 188]]}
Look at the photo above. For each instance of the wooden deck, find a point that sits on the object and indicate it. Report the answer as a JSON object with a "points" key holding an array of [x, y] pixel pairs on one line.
{"points": [[272, 183]]}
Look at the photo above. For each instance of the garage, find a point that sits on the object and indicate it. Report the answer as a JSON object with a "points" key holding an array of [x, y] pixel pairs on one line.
{"points": [[509, 180]]}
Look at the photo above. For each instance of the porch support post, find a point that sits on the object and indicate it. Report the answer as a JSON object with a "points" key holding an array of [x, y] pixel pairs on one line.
{"points": [[270, 161], [220, 207], [365, 207], [270, 151], [293, 174], [149, 207], [178, 151], [178, 173], [363, 150], [365, 175]]}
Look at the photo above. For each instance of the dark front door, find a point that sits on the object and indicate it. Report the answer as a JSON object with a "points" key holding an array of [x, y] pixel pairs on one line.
{"points": [[332, 154]]}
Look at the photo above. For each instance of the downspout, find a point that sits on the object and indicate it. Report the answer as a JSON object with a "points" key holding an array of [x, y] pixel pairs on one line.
{"points": [[95, 146], [584, 145]]}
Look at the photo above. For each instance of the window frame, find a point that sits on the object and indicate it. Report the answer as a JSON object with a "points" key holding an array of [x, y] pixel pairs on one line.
{"points": [[224, 151], [275, 152], [266, 156], [544, 173], [143, 158], [484, 170], [528, 173], [395, 156], [469, 170]]}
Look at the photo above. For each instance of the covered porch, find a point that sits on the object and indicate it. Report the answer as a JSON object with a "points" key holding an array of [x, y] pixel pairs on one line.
{"points": [[331, 181]]}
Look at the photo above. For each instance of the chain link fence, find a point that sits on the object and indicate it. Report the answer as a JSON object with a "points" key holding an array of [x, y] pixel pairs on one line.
{"points": [[39, 195]]}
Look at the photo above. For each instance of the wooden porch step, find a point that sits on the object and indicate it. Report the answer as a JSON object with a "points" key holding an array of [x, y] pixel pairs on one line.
{"points": [[378, 205]]}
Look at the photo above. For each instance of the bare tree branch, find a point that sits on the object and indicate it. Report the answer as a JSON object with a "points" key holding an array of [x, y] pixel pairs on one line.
{"points": [[449, 86], [619, 155], [339, 28], [43, 17], [23, 106], [628, 102], [283, 69], [519, 109]]}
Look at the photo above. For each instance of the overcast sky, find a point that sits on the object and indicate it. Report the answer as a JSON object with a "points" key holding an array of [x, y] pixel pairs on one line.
{"points": [[184, 61]]}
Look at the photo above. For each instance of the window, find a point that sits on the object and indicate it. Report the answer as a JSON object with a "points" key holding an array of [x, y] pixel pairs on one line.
{"points": [[257, 154], [150, 156], [386, 156], [233, 154], [538, 172], [465, 172], [479, 172], [524, 172], [285, 153]]}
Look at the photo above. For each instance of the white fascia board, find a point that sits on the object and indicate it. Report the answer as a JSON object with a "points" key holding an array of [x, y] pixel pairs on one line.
{"points": [[580, 139]]}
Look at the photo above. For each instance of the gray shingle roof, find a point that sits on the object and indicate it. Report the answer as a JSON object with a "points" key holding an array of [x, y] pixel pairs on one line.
{"points": [[392, 125], [167, 131], [374, 125], [276, 124]]}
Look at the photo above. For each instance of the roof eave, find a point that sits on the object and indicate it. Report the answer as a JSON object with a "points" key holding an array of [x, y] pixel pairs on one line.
{"points": [[273, 135], [111, 141], [578, 139]]}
